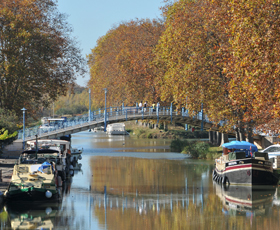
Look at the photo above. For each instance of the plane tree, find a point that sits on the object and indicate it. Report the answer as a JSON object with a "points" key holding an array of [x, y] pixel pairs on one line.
{"points": [[224, 55], [191, 54], [120, 63]]}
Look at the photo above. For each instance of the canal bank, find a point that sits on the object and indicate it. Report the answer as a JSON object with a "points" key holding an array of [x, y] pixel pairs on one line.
{"points": [[7, 162]]}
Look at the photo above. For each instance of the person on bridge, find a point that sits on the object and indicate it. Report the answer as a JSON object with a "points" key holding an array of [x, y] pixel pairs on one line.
{"points": [[145, 106], [154, 107], [140, 105]]}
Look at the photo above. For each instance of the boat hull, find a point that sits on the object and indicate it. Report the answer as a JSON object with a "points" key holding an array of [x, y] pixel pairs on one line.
{"points": [[31, 195], [248, 172]]}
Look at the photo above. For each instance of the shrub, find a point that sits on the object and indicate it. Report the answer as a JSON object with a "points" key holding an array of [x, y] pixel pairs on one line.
{"points": [[178, 145], [197, 149]]}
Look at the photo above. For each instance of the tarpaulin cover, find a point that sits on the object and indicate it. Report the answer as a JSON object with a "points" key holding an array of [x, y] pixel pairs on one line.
{"points": [[237, 145], [44, 166]]}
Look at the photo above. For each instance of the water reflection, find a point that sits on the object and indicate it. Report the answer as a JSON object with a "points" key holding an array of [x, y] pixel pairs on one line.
{"points": [[39, 216], [246, 201], [156, 190]]}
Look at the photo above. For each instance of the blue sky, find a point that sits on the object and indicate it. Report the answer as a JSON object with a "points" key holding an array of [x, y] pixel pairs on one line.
{"points": [[92, 19]]}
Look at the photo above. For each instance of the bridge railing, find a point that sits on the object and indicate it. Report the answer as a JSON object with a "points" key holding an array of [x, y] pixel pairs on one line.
{"points": [[112, 113]]}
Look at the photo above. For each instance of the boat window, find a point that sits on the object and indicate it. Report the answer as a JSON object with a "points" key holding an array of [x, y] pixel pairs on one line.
{"points": [[62, 147], [22, 169], [273, 149]]}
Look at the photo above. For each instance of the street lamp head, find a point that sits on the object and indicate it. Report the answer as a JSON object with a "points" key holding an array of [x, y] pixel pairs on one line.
{"points": [[23, 109]]}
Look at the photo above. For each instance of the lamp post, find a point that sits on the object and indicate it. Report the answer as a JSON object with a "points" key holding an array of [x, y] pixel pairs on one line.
{"points": [[105, 111], [23, 132], [89, 105]]}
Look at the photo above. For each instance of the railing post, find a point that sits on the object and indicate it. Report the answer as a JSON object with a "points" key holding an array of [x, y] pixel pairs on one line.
{"points": [[105, 111], [89, 105], [126, 114], [201, 116], [157, 113], [171, 112]]}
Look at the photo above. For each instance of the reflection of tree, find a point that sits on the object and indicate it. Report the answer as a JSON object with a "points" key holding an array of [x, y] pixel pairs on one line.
{"points": [[165, 177], [187, 217], [147, 176]]}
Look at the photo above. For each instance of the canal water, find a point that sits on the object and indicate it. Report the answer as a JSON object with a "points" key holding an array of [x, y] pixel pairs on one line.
{"points": [[135, 184]]}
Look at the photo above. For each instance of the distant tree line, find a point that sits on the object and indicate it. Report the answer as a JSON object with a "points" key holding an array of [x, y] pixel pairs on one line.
{"points": [[75, 102]]}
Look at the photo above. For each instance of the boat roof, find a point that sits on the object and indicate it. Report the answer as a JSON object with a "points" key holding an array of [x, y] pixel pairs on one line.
{"points": [[240, 145]]}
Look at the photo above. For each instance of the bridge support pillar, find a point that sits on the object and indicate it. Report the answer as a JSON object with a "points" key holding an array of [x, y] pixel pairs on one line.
{"points": [[217, 138], [165, 126], [211, 137]]}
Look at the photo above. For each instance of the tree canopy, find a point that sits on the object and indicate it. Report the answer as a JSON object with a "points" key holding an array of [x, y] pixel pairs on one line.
{"points": [[224, 54], [121, 63], [38, 57]]}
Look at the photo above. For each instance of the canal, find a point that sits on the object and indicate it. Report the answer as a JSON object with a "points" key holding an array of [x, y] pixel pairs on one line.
{"points": [[130, 184]]}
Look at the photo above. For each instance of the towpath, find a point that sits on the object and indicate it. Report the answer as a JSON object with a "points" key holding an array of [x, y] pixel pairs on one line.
{"points": [[7, 162]]}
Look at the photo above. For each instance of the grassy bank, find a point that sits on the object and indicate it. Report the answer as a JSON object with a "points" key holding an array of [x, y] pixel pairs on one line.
{"points": [[197, 149], [174, 131]]}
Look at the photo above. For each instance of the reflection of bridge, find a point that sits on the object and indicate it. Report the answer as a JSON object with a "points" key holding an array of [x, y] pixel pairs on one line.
{"points": [[115, 115], [145, 202]]}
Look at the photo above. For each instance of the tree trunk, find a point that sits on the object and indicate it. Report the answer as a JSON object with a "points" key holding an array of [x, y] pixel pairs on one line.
{"points": [[224, 138], [214, 138], [211, 138], [219, 138], [237, 136], [250, 135]]}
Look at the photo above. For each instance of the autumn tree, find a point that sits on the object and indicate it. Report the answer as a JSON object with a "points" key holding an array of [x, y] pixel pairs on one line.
{"points": [[120, 63], [254, 67], [191, 57], [38, 57], [224, 55]]}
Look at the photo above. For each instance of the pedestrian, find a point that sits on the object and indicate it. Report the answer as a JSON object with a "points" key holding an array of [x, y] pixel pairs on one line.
{"points": [[140, 105], [154, 107], [145, 106]]}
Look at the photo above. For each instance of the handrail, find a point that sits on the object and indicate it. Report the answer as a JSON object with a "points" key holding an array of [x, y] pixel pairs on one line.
{"points": [[113, 113]]}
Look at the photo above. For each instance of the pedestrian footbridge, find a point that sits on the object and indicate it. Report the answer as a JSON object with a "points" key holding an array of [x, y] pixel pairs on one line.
{"points": [[115, 115]]}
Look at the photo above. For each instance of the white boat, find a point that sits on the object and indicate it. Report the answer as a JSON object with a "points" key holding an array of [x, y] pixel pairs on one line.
{"points": [[49, 124], [116, 129], [32, 182], [52, 148], [97, 129]]}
